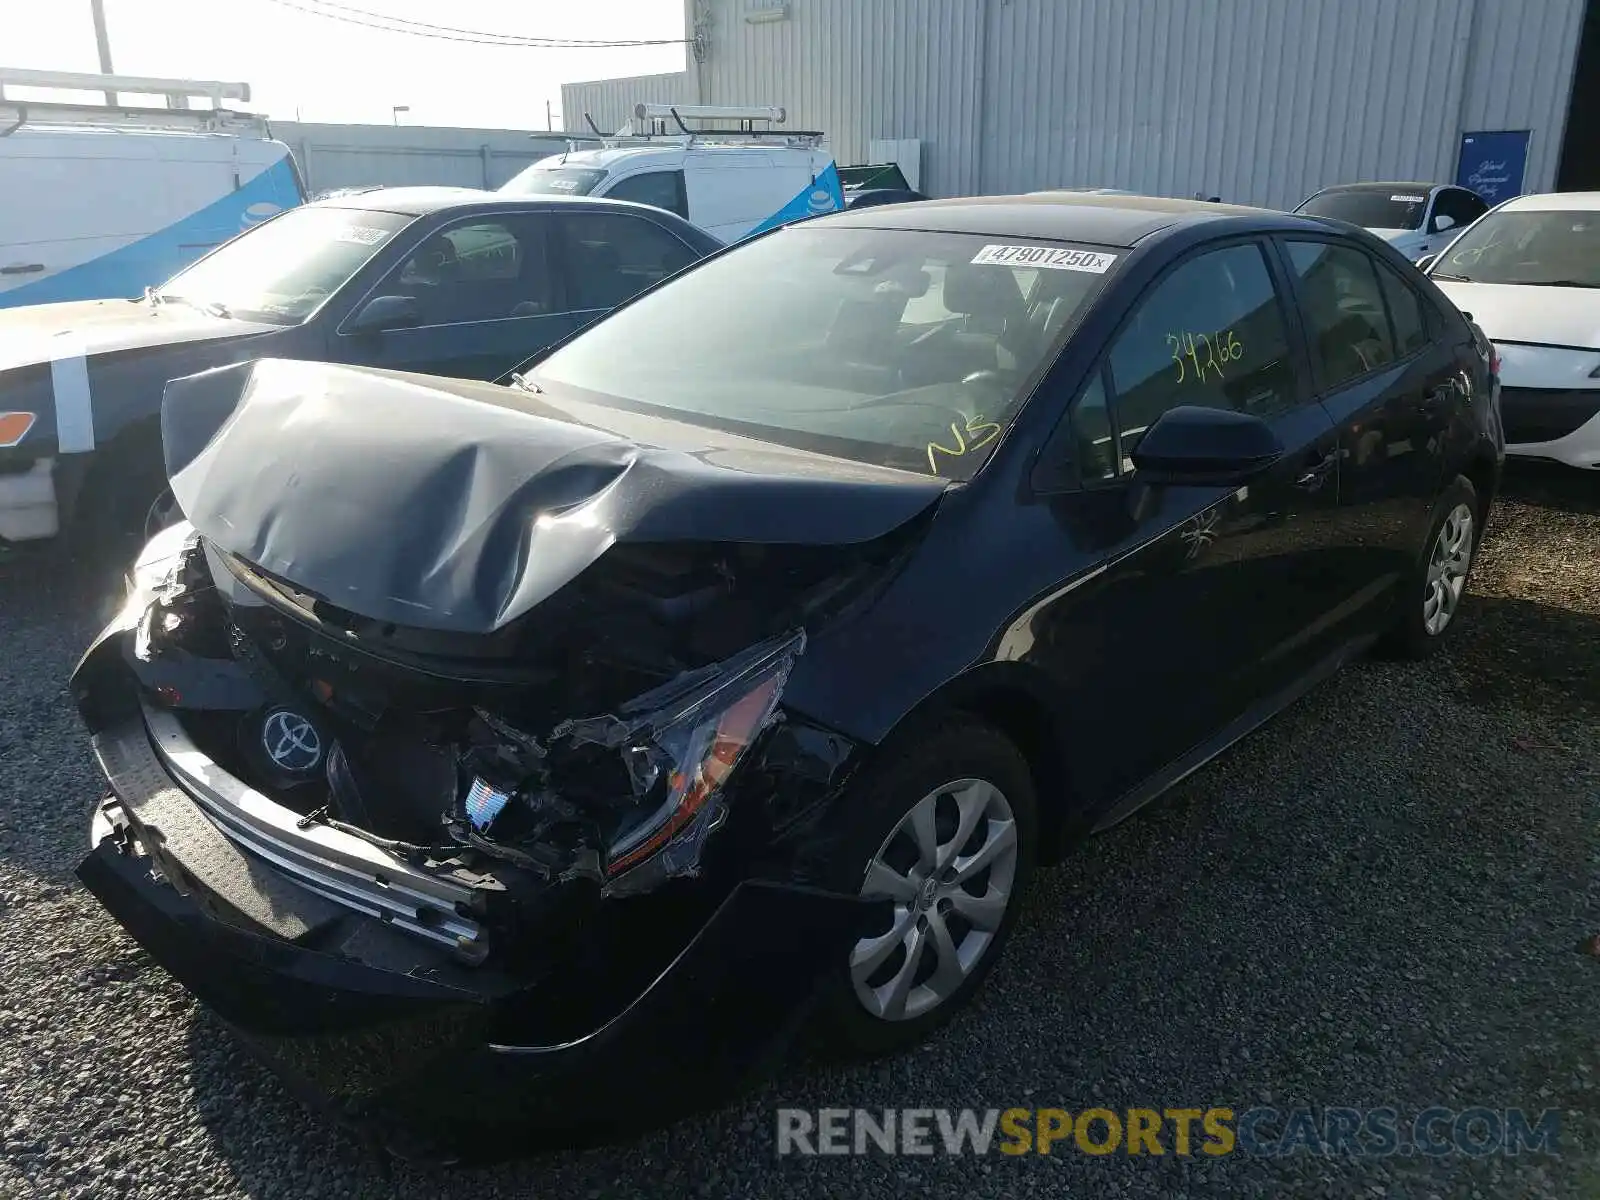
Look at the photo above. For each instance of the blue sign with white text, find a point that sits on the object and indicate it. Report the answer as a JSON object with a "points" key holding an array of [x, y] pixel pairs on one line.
{"points": [[1492, 163]]}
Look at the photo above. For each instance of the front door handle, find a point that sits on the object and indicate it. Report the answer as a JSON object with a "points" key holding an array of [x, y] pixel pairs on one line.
{"points": [[1317, 470], [22, 269]]}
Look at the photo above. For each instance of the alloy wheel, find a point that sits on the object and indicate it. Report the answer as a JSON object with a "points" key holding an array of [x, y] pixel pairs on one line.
{"points": [[1448, 563], [950, 867]]}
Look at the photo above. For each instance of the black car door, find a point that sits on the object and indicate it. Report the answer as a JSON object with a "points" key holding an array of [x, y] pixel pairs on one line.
{"points": [[1206, 601], [1388, 384], [476, 297]]}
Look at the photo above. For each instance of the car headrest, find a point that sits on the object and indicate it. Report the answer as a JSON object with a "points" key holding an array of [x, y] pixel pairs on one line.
{"points": [[987, 291]]}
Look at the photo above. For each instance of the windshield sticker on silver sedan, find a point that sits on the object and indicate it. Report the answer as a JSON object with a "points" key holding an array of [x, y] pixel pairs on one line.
{"points": [[1042, 256], [1409, 199], [362, 235]]}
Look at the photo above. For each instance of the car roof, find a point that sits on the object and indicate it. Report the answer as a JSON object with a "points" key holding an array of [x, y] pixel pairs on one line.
{"points": [[1547, 201], [1379, 185], [1107, 220], [605, 156], [423, 201]]}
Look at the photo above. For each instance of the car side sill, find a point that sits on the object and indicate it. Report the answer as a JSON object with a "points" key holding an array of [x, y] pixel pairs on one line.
{"points": [[1247, 723]]}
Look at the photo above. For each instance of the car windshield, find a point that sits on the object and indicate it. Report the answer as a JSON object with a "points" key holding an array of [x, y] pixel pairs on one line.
{"points": [[282, 270], [1384, 207], [554, 181], [899, 348], [1555, 247]]}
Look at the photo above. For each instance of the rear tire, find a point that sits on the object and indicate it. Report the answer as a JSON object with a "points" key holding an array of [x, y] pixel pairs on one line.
{"points": [[945, 822], [1433, 591]]}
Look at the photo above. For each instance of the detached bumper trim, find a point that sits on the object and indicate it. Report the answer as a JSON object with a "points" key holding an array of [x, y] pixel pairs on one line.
{"points": [[334, 865]]}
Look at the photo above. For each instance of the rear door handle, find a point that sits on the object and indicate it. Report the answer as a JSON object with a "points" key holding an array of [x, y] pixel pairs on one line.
{"points": [[21, 269]]}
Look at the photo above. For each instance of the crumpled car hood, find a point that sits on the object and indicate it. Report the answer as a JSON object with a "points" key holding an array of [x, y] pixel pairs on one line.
{"points": [[459, 506]]}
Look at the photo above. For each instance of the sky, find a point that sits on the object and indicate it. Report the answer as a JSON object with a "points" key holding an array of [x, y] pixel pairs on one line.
{"points": [[313, 68]]}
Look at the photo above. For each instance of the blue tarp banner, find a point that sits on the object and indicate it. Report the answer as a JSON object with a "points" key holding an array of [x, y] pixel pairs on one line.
{"points": [[1492, 163]]}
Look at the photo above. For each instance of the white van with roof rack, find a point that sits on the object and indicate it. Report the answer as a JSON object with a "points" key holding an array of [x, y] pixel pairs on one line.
{"points": [[100, 201], [733, 178]]}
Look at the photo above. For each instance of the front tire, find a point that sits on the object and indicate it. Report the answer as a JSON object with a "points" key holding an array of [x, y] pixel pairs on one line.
{"points": [[944, 824], [124, 498], [1431, 596]]}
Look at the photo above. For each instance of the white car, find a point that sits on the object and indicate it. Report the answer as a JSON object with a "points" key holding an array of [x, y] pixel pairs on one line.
{"points": [[1415, 218], [1529, 274]]}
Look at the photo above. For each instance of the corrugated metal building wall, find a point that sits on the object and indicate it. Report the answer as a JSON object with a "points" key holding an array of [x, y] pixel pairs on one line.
{"points": [[1258, 101], [610, 101], [338, 156]]}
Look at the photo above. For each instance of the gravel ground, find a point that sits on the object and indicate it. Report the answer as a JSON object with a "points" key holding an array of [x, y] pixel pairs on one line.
{"points": [[1382, 898]]}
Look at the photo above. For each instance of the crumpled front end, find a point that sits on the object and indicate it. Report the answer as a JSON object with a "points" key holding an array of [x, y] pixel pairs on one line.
{"points": [[423, 870]]}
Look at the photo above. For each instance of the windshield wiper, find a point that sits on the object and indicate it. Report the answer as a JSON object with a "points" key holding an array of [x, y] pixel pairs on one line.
{"points": [[1566, 283], [523, 384], [213, 308], [1447, 275]]}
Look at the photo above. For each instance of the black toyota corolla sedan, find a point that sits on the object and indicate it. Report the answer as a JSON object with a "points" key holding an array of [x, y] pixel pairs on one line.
{"points": [[513, 758]]}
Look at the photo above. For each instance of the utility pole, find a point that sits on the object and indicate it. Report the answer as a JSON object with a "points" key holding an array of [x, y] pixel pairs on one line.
{"points": [[547, 126], [102, 42]]}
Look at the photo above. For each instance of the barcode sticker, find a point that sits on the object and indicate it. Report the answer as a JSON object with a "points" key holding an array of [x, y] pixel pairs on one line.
{"points": [[1045, 257]]}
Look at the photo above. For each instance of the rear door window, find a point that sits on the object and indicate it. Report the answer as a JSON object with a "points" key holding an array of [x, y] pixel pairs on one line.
{"points": [[1405, 311], [611, 257], [1347, 322], [1212, 333]]}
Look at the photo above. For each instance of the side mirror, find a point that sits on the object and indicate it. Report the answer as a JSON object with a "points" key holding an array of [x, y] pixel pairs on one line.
{"points": [[1442, 222], [385, 312], [1197, 446], [1426, 261]]}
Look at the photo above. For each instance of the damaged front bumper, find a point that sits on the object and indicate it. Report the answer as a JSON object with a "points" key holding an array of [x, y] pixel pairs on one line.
{"points": [[374, 983], [428, 1051]]}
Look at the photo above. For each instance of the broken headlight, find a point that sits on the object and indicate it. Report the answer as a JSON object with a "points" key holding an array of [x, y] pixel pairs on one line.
{"points": [[159, 561], [679, 744]]}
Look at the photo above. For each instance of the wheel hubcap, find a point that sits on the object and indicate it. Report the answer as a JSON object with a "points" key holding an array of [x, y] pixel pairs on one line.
{"points": [[1448, 564], [949, 866]]}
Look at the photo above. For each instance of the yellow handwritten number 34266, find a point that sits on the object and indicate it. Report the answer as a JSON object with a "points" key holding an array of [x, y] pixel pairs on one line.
{"points": [[1202, 352]]}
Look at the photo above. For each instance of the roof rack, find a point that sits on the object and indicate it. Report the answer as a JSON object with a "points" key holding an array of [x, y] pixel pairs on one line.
{"points": [[743, 125], [16, 112]]}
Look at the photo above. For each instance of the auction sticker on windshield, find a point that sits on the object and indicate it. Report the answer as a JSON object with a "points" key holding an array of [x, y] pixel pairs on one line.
{"points": [[362, 235], [1043, 256], [1408, 199]]}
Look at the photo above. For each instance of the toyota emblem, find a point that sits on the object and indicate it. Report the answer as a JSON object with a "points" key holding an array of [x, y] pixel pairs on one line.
{"points": [[291, 742]]}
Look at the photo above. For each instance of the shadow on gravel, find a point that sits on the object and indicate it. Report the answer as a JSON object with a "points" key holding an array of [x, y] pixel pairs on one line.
{"points": [[1535, 656], [1552, 485]]}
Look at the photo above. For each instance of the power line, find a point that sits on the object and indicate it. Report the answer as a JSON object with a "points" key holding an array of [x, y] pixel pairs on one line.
{"points": [[448, 33]]}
